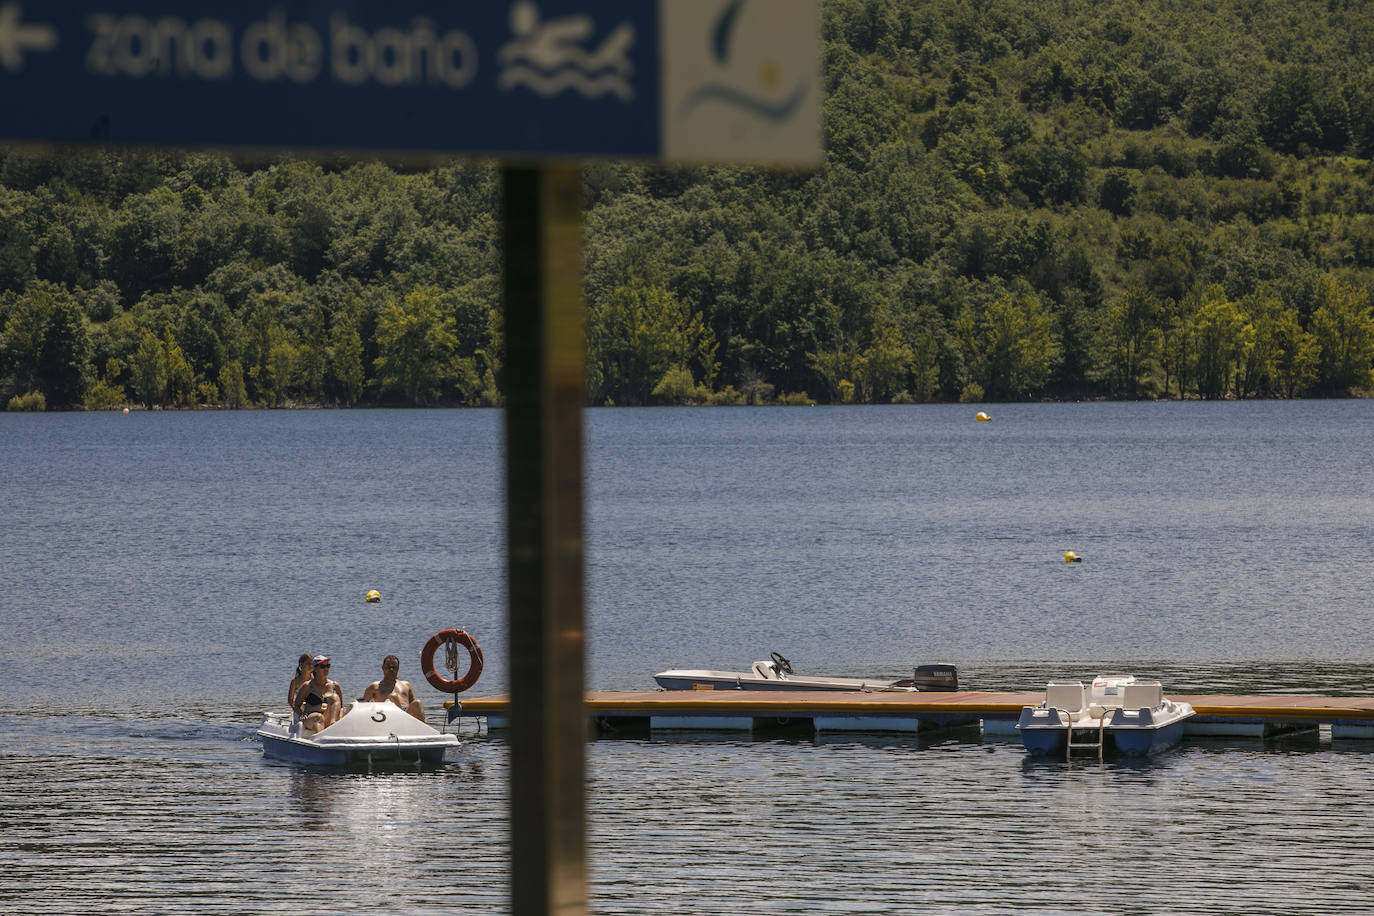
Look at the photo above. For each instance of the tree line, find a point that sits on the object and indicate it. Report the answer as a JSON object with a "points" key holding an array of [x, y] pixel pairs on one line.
{"points": [[1087, 199]]}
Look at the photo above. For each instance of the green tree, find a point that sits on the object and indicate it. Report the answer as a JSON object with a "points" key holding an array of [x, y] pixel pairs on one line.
{"points": [[22, 333], [45, 345], [1343, 326], [860, 115], [1116, 193], [1127, 342], [836, 357], [491, 359], [344, 374], [837, 367], [923, 327], [149, 367], [1256, 371], [1177, 344], [283, 360], [265, 341], [885, 366], [1221, 338], [145, 242], [637, 334], [181, 378], [64, 363], [16, 243], [1010, 348], [231, 386], [1282, 361], [415, 344], [678, 387], [1295, 355], [313, 356], [205, 329]]}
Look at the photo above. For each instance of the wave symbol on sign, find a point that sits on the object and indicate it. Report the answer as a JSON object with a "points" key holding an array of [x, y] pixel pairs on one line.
{"points": [[548, 57]]}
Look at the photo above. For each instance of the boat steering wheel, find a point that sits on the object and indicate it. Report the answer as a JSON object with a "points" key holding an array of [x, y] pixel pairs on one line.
{"points": [[780, 663]]}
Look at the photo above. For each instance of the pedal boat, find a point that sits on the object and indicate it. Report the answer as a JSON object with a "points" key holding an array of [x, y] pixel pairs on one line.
{"points": [[777, 674], [368, 734], [1116, 713]]}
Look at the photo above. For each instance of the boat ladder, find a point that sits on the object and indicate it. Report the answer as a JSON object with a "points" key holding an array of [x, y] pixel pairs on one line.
{"points": [[1071, 745]]}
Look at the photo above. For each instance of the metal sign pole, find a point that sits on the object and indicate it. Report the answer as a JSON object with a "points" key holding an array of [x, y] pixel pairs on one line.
{"points": [[544, 393]]}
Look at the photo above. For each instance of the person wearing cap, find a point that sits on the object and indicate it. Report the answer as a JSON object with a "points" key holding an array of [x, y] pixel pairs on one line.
{"points": [[398, 692], [319, 701]]}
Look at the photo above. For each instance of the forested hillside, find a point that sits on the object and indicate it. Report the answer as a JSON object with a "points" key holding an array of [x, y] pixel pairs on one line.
{"points": [[1022, 199]]}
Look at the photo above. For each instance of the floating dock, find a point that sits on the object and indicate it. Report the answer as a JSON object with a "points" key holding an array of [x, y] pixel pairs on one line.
{"points": [[830, 711]]}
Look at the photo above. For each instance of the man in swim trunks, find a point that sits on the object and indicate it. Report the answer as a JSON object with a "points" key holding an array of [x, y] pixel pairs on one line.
{"points": [[319, 701], [398, 692]]}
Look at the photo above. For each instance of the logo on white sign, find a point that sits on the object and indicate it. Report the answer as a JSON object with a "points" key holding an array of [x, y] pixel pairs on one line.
{"points": [[742, 80], [759, 93]]}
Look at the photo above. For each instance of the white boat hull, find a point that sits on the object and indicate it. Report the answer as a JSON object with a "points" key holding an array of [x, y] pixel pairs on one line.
{"points": [[1132, 719], [1052, 736], [769, 676], [369, 734], [700, 679]]}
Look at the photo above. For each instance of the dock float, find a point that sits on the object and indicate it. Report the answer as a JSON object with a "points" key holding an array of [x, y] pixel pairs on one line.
{"points": [[831, 711]]}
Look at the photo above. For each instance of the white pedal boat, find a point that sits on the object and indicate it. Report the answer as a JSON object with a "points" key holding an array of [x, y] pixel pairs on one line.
{"points": [[1119, 712], [777, 674], [368, 734]]}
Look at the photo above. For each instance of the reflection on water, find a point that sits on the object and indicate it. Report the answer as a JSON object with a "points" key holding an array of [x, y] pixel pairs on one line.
{"points": [[324, 799], [313, 795], [883, 826], [123, 815], [1313, 678], [118, 816]]}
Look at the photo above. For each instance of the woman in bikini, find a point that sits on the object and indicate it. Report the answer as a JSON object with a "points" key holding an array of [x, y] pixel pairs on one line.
{"points": [[319, 701]]}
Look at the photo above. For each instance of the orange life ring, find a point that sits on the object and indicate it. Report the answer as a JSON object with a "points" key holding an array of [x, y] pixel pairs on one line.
{"points": [[439, 682]]}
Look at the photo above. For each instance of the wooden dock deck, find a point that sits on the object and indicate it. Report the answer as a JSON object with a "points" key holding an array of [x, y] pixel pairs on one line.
{"points": [[748, 710]]}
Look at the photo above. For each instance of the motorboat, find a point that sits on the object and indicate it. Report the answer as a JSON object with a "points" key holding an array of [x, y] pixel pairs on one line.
{"points": [[1114, 712], [367, 734], [776, 674]]}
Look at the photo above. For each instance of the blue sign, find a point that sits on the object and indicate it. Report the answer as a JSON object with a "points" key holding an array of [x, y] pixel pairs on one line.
{"points": [[685, 79]]}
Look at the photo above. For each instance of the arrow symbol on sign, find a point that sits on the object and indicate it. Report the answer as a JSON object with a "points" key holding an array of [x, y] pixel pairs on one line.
{"points": [[16, 38]]}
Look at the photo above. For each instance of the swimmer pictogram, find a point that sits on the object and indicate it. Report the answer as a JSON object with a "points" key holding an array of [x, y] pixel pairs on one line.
{"points": [[549, 57]]}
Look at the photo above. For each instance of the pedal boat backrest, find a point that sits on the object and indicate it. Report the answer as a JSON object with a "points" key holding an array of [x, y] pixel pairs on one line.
{"points": [[1142, 695], [1064, 695]]}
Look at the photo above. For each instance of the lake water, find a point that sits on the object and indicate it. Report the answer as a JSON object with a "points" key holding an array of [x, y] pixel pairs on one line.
{"points": [[160, 572]]}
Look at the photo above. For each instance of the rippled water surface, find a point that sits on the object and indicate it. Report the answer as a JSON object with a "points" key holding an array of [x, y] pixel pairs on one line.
{"points": [[160, 572]]}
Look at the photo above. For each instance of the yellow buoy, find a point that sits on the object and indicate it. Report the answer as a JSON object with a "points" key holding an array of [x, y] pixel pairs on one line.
{"points": [[982, 417], [373, 597], [1072, 557]]}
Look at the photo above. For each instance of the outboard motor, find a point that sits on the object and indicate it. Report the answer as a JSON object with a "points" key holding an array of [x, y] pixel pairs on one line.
{"points": [[935, 677]]}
